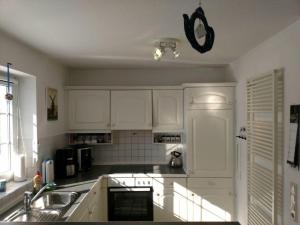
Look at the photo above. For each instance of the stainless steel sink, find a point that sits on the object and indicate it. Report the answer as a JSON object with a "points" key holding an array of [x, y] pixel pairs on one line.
{"points": [[50, 206], [54, 200], [34, 216]]}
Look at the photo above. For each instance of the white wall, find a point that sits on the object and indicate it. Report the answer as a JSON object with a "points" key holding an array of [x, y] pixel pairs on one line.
{"points": [[281, 51], [48, 73], [146, 76]]}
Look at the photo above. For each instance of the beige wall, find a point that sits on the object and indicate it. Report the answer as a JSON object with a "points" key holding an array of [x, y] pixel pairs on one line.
{"points": [[146, 76], [46, 73], [281, 51]]}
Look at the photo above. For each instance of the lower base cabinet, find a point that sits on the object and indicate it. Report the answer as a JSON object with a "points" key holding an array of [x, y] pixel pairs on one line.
{"points": [[210, 199], [193, 199], [93, 207], [169, 199]]}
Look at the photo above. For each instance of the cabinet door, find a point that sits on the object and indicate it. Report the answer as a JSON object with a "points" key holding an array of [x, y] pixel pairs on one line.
{"points": [[167, 110], [169, 206], [169, 200], [131, 110], [209, 98], [89, 109], [94, 204], [81, 214], [210, 205], [210, 143]]}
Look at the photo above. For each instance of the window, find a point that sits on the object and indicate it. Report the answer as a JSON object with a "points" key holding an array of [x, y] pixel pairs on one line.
{"points": [[8, 127]]}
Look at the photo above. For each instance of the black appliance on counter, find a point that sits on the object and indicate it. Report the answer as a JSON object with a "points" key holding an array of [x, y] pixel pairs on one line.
{"points": [[66, 164], [130, 204], [84, 156]]}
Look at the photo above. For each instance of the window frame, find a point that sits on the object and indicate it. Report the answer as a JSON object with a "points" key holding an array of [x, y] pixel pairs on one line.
{"points": [[13, 142]]}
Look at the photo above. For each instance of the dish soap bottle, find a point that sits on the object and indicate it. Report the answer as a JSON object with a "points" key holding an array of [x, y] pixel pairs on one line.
{"points": [[37, 182]]}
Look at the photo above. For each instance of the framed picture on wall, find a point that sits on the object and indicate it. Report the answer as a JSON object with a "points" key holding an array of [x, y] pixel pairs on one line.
{"points": [[52, 106]]}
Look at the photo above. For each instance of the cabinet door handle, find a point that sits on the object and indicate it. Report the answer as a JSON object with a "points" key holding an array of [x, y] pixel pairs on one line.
{"points": [[157, 194], [193, 194]]}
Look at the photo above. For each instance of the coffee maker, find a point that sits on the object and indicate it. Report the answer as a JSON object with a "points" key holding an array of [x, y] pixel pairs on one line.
{"points": [[66, 163]]}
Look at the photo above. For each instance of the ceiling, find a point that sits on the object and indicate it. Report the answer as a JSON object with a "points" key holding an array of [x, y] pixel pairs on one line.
{"points": [[121, 33]]}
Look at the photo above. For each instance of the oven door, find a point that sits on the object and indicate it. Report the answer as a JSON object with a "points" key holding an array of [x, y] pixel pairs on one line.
{"points": [[130, 204]]}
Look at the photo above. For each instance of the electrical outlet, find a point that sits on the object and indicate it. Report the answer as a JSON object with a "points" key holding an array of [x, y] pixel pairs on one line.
{"points": [[293, 201]]}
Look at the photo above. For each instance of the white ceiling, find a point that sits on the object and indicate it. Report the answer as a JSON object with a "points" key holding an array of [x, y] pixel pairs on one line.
{"points": [[121, 33]]}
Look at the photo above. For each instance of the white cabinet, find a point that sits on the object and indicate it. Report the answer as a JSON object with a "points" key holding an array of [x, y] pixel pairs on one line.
{"points": [[89, 109], [169, 199], [210, 199], [209, 98], [209, 131], [93, 208], [131, 109], [167, 110], [210, 138]]}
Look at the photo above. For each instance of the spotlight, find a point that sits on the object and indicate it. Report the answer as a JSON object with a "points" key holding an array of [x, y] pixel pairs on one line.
{"points": [[158, 53], [164, 46]]}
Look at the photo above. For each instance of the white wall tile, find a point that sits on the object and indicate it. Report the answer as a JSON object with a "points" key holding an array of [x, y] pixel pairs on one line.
{"points": [[133, 147]]}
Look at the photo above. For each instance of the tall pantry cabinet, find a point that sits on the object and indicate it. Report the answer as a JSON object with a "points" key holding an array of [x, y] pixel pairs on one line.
{"points": [[208, 110]]}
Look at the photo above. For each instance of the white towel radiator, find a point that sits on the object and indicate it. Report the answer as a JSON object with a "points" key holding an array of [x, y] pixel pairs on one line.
{"points": [[264, 146]]}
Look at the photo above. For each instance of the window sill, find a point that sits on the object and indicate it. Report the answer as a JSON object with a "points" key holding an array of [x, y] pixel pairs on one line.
{"points": [[14, 194]]}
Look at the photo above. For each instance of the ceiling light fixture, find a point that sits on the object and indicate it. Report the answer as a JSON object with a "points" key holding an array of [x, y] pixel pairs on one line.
{"points": [[163, 46]]}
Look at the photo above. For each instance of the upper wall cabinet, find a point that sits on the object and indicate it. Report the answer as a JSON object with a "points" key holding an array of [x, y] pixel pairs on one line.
{"points": [[209, 98], [89, 109], [131, 110], [167, 110]]}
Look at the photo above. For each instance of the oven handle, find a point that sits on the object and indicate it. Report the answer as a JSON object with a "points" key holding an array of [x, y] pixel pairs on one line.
{"points": [[129, 189]]}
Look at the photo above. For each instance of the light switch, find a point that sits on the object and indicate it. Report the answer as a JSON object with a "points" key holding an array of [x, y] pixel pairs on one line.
{"points": [[293, 201]]}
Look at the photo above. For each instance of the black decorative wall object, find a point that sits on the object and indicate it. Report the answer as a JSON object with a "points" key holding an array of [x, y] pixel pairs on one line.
{"points": [[189, 24], [294, 139]]}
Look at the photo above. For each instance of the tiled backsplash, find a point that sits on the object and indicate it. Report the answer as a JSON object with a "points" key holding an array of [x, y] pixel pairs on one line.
{"points": [[133, 147]]}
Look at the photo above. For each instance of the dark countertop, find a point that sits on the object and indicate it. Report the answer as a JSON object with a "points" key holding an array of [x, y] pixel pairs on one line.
{"points": [[96, 171]]}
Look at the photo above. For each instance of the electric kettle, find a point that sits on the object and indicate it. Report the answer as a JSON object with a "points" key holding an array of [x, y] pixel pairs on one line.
{"points": [[176, 160]]}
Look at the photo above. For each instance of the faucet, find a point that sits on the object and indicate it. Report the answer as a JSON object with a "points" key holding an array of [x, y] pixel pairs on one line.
{"points": [[29, 198]]}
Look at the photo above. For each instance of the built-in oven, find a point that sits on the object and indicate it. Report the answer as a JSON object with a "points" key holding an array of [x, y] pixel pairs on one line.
{"points": [[130, 203]]}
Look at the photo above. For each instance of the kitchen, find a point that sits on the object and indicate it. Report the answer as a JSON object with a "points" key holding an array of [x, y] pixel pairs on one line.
{"points": [[156, 138]]}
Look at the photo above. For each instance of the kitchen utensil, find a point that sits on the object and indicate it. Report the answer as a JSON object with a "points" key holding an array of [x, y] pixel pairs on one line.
{"points": [[176, 160]]}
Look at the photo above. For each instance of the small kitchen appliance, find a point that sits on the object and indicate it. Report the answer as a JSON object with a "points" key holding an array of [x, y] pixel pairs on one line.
{"points": [[84, 156], [66, 164], [176, 159]]}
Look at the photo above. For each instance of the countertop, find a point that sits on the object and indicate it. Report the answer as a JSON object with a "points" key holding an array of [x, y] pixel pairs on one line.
{"points": [[85, 180], [124, 170]]}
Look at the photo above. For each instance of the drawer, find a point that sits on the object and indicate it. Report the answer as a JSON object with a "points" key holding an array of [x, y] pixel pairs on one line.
{"points": [[121, 182], [168, 182], [209, 183]]}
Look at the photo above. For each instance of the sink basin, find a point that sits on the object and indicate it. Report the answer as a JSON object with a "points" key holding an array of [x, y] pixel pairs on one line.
{"points": [[50, 206], [34, 216], [54, 200]]}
